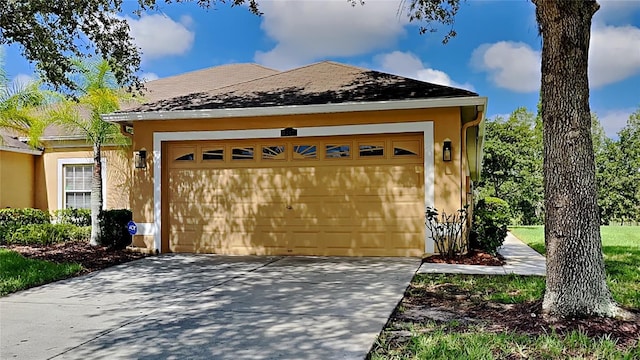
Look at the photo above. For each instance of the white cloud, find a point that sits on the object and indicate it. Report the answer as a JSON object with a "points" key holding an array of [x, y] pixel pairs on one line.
{"points": [[614, 120], [305, 31], [614, 54], [159, 35], [409, 65], [511, 65], [146, 77]]}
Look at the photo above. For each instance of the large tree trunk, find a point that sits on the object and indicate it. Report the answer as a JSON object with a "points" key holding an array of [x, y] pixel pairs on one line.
{"points": [[576, 281], [96, 196]]}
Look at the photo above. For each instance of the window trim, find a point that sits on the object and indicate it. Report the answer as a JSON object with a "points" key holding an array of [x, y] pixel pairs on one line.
{"points": [[80, 161]]}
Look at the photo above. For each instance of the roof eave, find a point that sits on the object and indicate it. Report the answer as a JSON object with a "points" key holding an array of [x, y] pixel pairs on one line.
{"points": [[20, 151], [128, 117]]}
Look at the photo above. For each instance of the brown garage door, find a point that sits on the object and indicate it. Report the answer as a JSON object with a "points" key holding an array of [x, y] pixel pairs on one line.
{"points": [[347, 195]]}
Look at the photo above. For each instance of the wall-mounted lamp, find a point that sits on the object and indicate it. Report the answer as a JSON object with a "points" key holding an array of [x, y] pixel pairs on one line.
{"points": [[446, 150], [140, 159]]}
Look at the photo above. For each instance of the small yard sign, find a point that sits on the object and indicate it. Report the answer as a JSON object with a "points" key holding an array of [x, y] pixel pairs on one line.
{"points": [[132, 227]]}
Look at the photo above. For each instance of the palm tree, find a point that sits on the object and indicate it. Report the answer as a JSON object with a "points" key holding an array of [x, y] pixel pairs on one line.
{"points": [[21, 107], [98, 93]]}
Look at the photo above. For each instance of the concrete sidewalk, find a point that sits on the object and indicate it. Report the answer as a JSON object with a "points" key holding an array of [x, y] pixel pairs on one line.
{"points": [[520, 260]]}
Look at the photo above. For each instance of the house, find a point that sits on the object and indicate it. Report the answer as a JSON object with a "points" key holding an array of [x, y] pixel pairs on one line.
{"points": [[325, 159], [58, 175]]}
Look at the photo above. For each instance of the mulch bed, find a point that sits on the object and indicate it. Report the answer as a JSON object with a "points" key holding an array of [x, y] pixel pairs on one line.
{"points": [[473, 257], [91, 258], [420, 305]]}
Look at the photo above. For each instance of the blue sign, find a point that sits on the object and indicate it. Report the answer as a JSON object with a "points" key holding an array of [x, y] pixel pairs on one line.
{"points": [[132, 227]]}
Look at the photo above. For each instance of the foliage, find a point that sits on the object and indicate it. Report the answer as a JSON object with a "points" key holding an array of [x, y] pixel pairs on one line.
{"points": [[617, 171], [115, 233], [448, 232], [512, 165], [20, 217], [97, 93], [52, 32], [78, 217], [621, 249], [19, 106], [19, 273], [46, 234], [490, 219]]}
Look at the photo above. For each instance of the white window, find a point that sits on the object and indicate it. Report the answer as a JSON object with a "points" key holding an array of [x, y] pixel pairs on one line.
{"points": [[74, 183], [77, 186]]}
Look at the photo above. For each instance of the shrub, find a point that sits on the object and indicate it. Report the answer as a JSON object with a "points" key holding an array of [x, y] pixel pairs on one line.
{"points": [[490, 219], [114, 228], [80, 233], [44, 234], [12, 219], [77, 217], [449, 232]]}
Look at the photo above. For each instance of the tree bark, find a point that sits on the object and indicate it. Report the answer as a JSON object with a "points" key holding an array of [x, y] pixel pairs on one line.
{"points": [[96, 196], [576, 282]]}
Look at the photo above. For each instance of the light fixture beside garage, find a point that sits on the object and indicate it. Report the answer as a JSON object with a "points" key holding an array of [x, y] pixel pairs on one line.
{"points": [[446, 150], [140, 158]]}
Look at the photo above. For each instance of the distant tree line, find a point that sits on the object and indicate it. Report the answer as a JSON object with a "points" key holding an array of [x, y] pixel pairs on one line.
{"points": [[513, 161]]}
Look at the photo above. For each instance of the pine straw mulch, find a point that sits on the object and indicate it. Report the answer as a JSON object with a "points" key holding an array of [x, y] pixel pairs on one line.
{"points": [[91, 258]]}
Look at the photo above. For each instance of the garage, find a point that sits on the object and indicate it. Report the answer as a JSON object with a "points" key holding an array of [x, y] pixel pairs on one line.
{"points": [[337, 195]]}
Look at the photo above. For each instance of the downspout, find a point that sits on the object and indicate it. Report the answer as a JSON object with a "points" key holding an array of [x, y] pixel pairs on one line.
{"points": [[474, 122]]}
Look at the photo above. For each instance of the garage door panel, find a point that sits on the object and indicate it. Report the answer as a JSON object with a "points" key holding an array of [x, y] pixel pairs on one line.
{"points": [[294, 205]]}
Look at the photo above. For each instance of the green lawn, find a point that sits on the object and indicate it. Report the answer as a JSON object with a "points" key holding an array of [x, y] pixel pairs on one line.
{"points": [[416, 338], [621, 248], [19, 273]]}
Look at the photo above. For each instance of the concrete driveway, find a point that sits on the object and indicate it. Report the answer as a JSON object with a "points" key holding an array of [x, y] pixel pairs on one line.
{"points": [[209, 307]]}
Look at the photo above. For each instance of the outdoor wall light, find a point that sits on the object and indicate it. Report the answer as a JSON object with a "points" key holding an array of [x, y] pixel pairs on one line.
{"points": [[446, 150], [140, 159]]}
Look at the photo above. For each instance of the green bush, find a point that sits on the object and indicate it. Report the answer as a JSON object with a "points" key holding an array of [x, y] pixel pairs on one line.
{"points": [[77, 217], [114, 228], [12, 219], [80, 233], [45, 234], [490, 220]]}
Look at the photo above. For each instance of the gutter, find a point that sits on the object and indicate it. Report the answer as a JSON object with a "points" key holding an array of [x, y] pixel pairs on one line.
{"points": [[479, 118], [127, 117]]}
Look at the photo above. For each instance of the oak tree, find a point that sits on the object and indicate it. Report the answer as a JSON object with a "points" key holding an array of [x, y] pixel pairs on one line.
{"points": [[576, 281]]}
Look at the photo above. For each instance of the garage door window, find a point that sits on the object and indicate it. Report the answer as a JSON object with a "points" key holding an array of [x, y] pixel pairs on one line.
{"points": [[373, 150], [338, 151], [213, 154], [301, 152], [274, 152], [77, 186], [406, 148], [242, 153]]}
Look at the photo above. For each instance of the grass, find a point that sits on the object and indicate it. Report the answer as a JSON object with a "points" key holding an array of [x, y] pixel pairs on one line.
{"points": [[453, 340], [437, 341], [508, 289], [19, 273], [621, 248]]}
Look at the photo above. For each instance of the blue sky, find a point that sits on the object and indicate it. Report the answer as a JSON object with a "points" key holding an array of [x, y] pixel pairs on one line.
{"points": [[496, 52]]}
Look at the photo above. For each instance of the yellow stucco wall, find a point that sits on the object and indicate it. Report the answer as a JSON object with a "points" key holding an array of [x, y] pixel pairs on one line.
{"points": [[449, 194], [118, 176], [16, 180]]}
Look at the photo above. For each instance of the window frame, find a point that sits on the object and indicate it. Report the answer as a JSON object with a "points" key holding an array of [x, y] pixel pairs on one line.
{"points": [[79, 161]]}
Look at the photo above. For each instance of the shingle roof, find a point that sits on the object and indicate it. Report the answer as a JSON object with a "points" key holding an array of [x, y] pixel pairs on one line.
{"points": [[203, 80], [11, 142], [321, 83]]}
